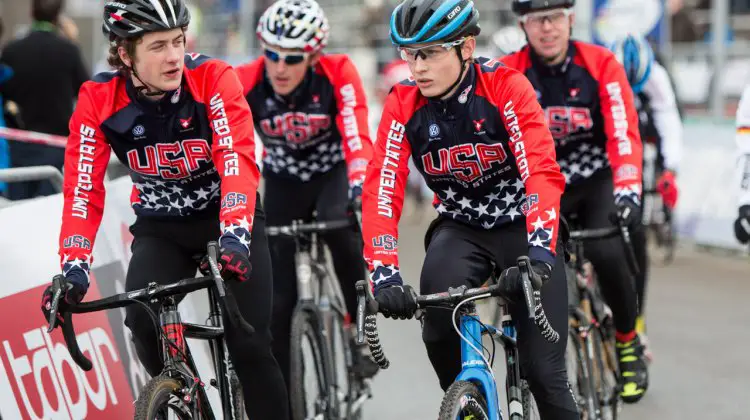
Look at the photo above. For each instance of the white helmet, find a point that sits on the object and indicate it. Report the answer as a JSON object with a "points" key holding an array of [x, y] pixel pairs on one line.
{"points": [[509, 39], [294, 24]]}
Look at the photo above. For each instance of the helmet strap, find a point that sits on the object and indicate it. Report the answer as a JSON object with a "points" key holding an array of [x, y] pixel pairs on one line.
{"points": [[145, 90], [458, 79]]}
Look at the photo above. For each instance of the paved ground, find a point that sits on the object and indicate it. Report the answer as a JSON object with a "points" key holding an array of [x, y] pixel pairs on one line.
{"points": [[698, 327]]}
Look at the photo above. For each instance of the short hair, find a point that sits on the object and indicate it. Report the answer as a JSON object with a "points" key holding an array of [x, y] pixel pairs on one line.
{"points": [[46, 10]]}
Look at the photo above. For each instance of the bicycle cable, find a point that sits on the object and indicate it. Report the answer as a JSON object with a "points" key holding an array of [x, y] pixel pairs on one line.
{"points": [[166, 339], [463, 337]]}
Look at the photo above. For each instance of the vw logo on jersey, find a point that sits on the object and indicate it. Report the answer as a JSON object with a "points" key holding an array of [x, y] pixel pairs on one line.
{"points": [[434, 130], [138, 130]]}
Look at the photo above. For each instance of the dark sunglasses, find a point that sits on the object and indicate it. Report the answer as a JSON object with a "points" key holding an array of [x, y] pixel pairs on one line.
{"points": [[289, 58]]}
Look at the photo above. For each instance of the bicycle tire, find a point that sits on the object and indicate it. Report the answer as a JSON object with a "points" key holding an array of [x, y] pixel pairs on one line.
{"points": [[463, 398], [530, 409], [606, 377], [306, 326], [238, 398], [585, 388], [156, 396]]}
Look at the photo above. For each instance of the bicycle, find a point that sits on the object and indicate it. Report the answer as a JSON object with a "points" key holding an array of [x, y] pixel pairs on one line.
{"points": [[474, 393], [178, 387], [591, 361], [658, 219], [319, 318]]}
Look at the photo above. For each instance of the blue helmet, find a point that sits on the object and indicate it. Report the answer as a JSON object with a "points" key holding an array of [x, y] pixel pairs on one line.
{"points": [[637, 57], [423, 21]]}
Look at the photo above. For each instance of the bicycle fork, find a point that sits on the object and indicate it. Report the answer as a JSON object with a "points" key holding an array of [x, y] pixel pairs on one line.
{"points": [[176, 351], [513, 374]]}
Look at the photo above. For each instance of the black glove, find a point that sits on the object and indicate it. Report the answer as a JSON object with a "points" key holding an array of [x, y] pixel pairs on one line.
{"points": [[355, 195], [742, 225], [510, 283], [234, 260], [397, 302], [75, 286], [629, 212]]}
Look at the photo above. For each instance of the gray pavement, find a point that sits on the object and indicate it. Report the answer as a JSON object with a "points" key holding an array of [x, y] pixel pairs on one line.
{"points": [[698, 315]]}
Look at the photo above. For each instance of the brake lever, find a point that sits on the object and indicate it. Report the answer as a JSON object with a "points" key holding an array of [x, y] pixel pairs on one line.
{"points": [[58, 284], [213, 257], [524, 266], [366, 304]]}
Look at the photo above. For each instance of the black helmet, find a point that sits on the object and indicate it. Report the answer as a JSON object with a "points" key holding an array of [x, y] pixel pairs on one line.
{"points": [[420, 21], [522, 7], [133, 18]]}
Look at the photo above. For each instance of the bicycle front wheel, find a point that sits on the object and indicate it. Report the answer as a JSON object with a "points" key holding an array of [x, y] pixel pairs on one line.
{"points": [[161, 399], [463, 401], [309, 370]]}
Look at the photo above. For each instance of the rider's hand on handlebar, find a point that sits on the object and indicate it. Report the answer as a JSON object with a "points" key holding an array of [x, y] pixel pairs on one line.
{"points": [[510, 283], [394, 299], [234, 260], [666, 185], [397, 302], [628, 211], [742, 225], [355, 195], [75, 286]]}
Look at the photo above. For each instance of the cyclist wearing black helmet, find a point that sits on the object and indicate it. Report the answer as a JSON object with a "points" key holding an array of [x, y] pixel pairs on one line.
{"points": [[477, 135], [590, 111], [183, 128]]}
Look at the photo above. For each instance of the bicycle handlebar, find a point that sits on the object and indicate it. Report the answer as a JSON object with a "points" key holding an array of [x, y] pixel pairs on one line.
{"points": [[153, 291], [620, 230], [367, 308], [298, 228]]}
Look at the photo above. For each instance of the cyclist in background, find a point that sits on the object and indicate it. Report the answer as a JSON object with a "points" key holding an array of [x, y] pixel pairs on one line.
{"points": [[416, 188], [660, 124], [310, 111], [180, 124], [742, 179], [507, 40], [477, 135], [590, 111]]}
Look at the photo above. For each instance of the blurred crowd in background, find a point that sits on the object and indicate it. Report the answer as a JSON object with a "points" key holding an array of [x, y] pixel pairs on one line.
{"points": [[706, 83]]}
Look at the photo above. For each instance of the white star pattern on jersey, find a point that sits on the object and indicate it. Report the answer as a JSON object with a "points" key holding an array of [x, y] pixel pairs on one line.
{"points": [[239, 230], [169, 197], [385, 275], [542, 235], [69, 264], [494, 208], [631, 192], [585, 161], [313, 161]]}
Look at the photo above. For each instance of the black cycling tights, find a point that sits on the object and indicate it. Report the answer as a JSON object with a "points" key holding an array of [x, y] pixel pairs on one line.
{"points": [[286, 201], [163, 253], [640, 247], [593, 202], [460, 255]]}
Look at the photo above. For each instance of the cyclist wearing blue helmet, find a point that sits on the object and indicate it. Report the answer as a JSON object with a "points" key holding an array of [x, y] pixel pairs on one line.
{"points": [[660, 124], [590, 111], [476, 133]]}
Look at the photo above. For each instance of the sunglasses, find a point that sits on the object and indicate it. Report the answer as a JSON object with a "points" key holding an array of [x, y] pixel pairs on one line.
{"points": [[289, 58]]}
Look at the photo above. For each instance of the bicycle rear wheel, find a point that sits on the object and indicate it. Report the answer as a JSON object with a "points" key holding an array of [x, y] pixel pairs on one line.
{"points": [[160, 399], [309, 369], [463, 401]]}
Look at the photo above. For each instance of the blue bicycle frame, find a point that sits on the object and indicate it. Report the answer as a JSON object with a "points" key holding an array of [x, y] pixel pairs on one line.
{"points": [[474, 369]]}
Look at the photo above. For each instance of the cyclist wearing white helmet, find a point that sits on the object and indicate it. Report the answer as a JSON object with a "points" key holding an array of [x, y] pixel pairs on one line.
{"points": [[660, 124], [508, 40], [590, 111], [180, 124], [742, 181], [310, 111]]}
